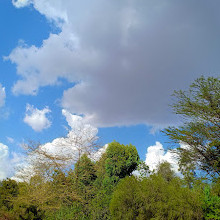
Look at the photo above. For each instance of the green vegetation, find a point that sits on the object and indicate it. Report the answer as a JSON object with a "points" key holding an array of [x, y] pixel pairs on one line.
{"points": [[200, 107], [107, 188]]}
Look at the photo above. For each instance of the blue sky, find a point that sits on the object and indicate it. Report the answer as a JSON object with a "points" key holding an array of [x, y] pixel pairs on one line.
{"points": [[114, 63]]}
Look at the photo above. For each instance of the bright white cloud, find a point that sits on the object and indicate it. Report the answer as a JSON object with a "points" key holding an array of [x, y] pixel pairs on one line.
{"points": [[126, 57], [2, 96], [36, 118], [156, 155], [74, 121], [97, 155], [7, 162], [4, 154], [81, 138], [21, 3]]}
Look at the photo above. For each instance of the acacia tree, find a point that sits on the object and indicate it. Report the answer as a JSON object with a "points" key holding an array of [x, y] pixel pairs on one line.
{"points": [[61, 154], [200, 109]]}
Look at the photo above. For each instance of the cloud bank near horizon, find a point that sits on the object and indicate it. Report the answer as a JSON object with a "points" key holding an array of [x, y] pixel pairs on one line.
{"points": [[80, 139], [126, 57]]}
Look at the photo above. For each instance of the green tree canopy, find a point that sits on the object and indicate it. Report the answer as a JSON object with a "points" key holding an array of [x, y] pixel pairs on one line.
{"points": [[164, 169], [200, 109], [154, 198], [85, 170], [121, 160], [8, 191]]}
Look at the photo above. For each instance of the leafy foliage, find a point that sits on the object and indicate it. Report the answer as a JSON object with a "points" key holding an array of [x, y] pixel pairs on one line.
{"points": [[154, 198], [106, 189], [8, 192], [200, 107], [211, 204], [121, 160]]}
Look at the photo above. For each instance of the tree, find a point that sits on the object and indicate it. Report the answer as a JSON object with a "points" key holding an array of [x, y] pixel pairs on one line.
{"points": [[8, 191], [117, 162], [164, 169], [154, 198], [85, 171], [211, 206], [200, 109], [84, 175], [61, 154], [121, 160], [126, 202]]}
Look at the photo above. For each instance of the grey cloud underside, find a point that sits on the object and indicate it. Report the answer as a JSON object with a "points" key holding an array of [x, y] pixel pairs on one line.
{"points": [[128, 56]]}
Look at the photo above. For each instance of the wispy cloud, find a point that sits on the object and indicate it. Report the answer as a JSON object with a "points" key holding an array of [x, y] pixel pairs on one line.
{"points": [[2, 95], [10, 140]]}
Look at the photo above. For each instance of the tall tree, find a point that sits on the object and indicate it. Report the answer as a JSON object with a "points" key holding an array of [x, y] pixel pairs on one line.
{"points": [[85, 171], [200, 109], [117, 162]]}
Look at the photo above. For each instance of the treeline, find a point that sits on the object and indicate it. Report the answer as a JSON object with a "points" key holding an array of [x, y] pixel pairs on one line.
{"points": [[108, 188]]}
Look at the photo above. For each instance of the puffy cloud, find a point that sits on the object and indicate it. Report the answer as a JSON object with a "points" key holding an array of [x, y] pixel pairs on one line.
{"points": [[74, 121], [156, 155], [37, 118], [2, 96], [65, 151], [21, 3], [97, 155], [126, 57], [80, 138]]}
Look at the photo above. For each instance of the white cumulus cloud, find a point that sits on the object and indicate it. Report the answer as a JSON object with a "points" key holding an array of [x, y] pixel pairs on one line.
{"points": [[156, 155], [81, 138], [97, 155], [36, 118]]}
